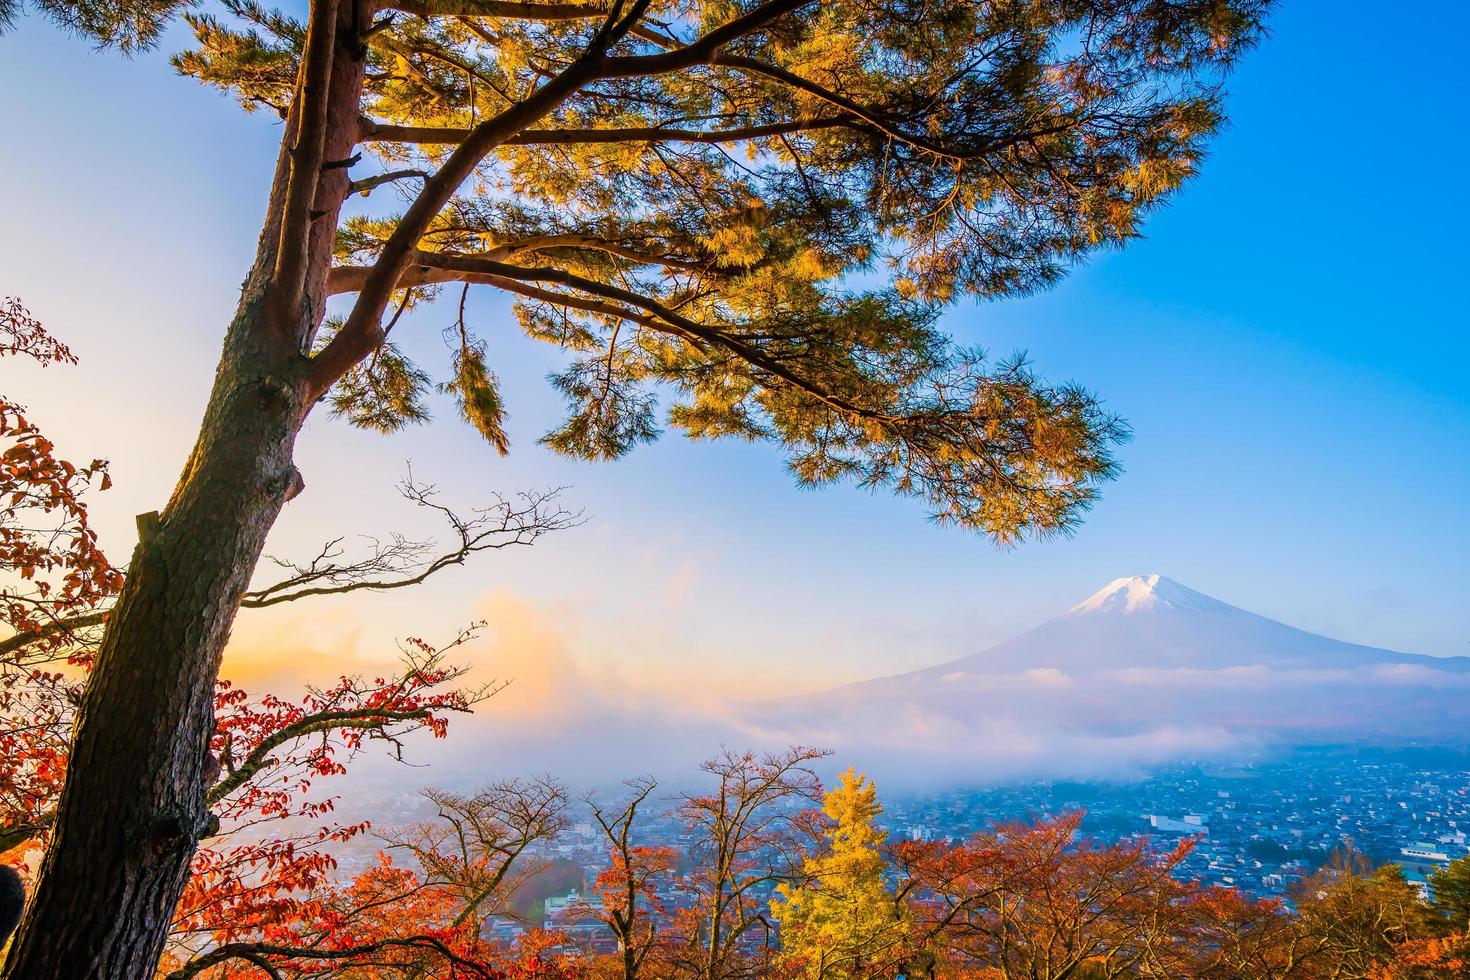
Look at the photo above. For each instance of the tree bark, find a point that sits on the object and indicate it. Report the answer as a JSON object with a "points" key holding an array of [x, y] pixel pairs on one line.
{"points": [[134, 804]]}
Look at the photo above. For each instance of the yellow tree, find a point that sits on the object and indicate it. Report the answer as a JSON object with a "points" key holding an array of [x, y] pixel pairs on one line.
{"points": [[843, 922]]}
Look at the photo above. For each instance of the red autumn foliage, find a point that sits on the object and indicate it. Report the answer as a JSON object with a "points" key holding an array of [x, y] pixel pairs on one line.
{"points": [[1040, 901], [52, 572], [1430, 958], [55, 567], [263, 877]]}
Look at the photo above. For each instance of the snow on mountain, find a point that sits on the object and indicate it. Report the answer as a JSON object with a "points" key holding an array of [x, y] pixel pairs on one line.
{"points": [[1144, 593], [1154, 622], [1144, 670]]}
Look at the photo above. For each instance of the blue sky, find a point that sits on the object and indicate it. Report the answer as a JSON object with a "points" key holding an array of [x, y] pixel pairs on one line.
{"points": [[1287, 344]]}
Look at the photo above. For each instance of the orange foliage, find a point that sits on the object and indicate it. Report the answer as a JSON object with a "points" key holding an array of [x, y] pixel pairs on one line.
{"points": [[1435, 958], [1036, 900], [46, 540], [53, 572]]}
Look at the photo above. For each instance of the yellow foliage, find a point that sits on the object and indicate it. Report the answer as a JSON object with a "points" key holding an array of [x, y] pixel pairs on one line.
{"points": [[843, 922]]}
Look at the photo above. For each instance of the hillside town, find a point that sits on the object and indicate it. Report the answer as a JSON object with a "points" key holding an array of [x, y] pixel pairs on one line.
{"points": [[1257, 826]]}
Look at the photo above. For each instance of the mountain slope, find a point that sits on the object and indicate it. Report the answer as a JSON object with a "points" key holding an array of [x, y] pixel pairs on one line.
{"points": [[1144, 669], [1156, 622]]}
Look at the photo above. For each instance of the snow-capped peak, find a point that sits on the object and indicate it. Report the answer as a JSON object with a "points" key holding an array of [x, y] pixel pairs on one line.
{"points": [[1140, 593]]}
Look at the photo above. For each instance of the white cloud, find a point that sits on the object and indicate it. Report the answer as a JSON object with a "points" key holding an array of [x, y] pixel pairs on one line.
{"points": [[1047, 676]]}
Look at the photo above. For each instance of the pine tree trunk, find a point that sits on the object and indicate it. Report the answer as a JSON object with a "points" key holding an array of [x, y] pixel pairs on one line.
{"points": [[134, 804]]}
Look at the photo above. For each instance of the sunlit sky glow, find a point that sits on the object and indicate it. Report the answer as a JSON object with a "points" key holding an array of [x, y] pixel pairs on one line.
{"points": [[1289, 345]]}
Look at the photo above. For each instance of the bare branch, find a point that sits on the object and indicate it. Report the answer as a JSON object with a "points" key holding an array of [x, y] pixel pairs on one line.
{"points": [[377, 180], [254, 951], [13, 645], [401, 562], [477, 842]]}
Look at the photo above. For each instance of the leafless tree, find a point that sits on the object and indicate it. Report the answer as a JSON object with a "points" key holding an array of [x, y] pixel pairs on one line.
{"points": [[481, 845], [749, 834]]}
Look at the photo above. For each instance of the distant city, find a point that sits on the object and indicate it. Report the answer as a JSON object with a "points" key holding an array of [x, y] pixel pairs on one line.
{"points": [[1259, 826]]}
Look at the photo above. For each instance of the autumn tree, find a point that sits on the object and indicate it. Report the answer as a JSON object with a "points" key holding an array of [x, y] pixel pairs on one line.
{"points": [[1041, 901], [256, 882], [275, 842], [53, 574], [627, 887], [384, 924], [55, 582], [842, 921], [543, 955], [270, 841], [481, 846], [418, 917], [681, 196], [419, 912], [1228, 934], [750, 833], [250, 874], [1444, 957], [1358, 914]]}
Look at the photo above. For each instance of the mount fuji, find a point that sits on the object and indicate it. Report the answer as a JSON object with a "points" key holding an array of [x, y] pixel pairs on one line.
{"points": [[1154, 622], [1145, 670]]}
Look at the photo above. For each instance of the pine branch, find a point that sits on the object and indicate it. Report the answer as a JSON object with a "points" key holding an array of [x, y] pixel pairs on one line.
{"points": [[363, 330], [432, 135]]}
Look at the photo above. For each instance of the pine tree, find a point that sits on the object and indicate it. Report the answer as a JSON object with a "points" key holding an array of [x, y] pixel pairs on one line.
{"points": [[843, 922], [1450, 888], [751, 212]]}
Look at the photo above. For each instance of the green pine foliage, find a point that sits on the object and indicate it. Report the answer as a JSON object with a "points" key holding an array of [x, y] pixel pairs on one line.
{"points": [[744, 219], [1450, 888], [477, 391]]}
